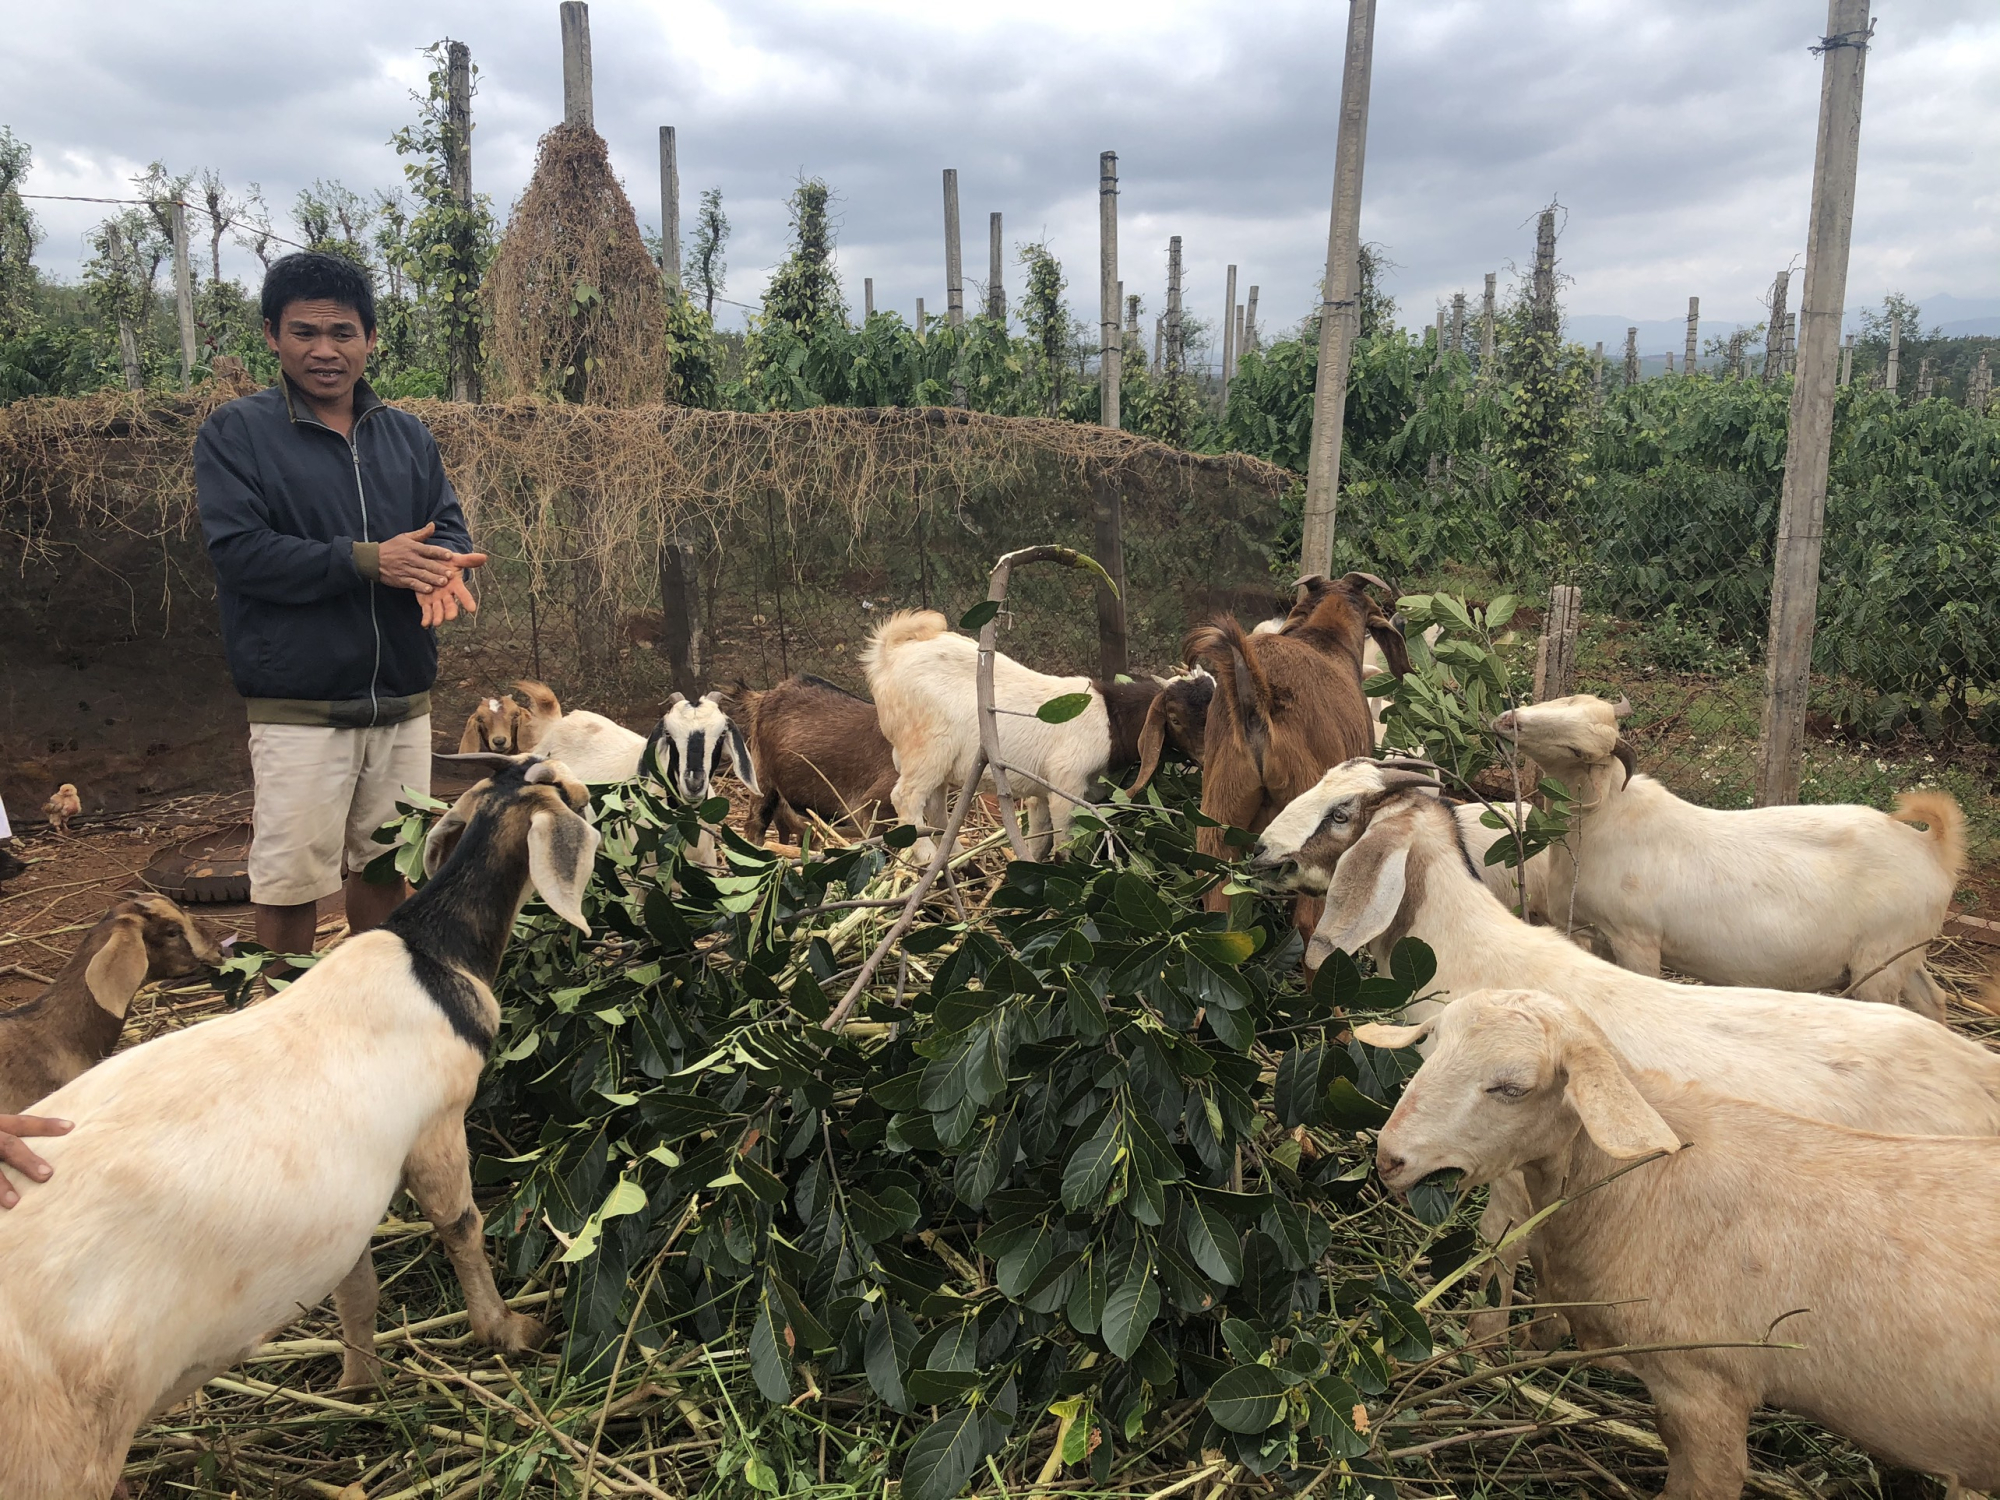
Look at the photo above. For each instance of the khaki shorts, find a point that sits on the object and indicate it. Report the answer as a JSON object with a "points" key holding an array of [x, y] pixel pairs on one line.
{"points": [[321, 794]]}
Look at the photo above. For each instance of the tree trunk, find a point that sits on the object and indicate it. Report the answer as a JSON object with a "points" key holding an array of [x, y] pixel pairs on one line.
{"points": [[1802, 506], [1339, 311], [1555, 659], [1107, 508], [680, 611]]}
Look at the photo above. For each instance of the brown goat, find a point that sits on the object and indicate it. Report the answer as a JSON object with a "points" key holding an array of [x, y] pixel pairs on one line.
{"points": [[1177, 715], [815, 748], [74, 1023], [501, 726], [1288, 705]]}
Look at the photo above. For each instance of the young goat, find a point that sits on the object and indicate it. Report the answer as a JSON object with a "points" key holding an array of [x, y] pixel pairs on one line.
{"points": [[923, 678], [1288, 703], [74, 1023], [222, 1177], [1868, 1251], [814, 748], [1793, 898], [503, 726]]}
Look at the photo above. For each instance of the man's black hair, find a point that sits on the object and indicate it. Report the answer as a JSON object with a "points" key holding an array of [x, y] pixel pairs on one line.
{"points": [[309, 276]]}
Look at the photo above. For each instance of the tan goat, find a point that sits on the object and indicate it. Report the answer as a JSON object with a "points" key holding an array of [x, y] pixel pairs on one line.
{"points": [[1868, 1255]]}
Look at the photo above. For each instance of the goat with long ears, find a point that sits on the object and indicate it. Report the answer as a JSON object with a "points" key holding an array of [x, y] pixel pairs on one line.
{"points": [[222, 1177]]}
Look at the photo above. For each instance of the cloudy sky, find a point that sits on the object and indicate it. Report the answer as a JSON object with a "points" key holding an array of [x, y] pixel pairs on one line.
{"points": [[1676, 134]]}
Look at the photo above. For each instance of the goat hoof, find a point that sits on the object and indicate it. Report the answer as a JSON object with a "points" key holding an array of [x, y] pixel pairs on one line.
{"points": [[360, 1371], [515, 1334]]}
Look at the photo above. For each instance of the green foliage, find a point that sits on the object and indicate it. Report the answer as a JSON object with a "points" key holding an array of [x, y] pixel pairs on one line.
{"points": [[804, 292], [19, 234], [1546, 429], [705, 265]]}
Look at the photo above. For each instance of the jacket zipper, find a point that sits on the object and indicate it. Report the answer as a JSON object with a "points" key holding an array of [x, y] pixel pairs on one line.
{"points": [[360, 494]]}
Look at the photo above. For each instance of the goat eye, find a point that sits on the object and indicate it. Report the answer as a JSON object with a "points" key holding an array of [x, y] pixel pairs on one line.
{"points": [[1338, 815], [1507, 1090]]}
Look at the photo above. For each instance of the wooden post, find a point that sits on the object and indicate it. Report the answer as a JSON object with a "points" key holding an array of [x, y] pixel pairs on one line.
{"points": [[1176, 356], [1250, 321], [1228, 336], [1555, 657], [867, 299], [577, 108], [1978, 397], [183, 289], [1159, 338], [680, 614], [1339, 308], [1457, 322], [1791, 343], [1631, 357], [1597, 371], [1131, 312], [1542, 307], [1237, 323], [462, 352], [920, 316], [1107, 509], [1486, 325], [1670, 361], [670, 209], [1802, 506], [954, 273], [1847, 361], [1774, 335], [996, 275], [1694, 327], [1924, 378], [1892, 379], [1110, 290], [1437, 339]]}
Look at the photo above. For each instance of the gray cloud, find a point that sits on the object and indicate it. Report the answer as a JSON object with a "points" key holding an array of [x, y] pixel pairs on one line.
{"points": [[1677, 134]]}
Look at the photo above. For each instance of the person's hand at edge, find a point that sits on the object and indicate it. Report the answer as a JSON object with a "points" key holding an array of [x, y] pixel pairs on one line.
{"points": [[444, 604], [16, 1154]]}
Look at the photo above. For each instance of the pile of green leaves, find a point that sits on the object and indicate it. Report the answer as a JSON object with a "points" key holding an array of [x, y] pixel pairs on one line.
{"points": [[1080, 1158]]}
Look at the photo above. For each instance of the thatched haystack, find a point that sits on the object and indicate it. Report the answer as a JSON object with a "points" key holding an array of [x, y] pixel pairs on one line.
{"points": [[576, 308]]}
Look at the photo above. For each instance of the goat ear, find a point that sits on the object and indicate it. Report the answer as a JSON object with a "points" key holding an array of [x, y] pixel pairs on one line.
{"points": [[472, 739], [1152, 739], [444, 835], [1395, 650], [561, 849], [738, 753], [1366, 892], [118, 968], [1617, 1116], [1377, 1034]]}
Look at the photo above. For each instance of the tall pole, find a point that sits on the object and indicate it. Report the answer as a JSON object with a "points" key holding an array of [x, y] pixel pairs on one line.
{"points": [[1774, 331], [1893, 378], [1694, 327], [954, 272], [1110, 342], [462, 345], [1847, 360], [1228, 336], [183, 290], [1339, 309], [670, 209], [1176, 350], [1250, 321], [1457, 322], [576, 65], [1486, 321], [867, 299], [1631, 357], [1802, 505], [1237, 363], [996, 276]]}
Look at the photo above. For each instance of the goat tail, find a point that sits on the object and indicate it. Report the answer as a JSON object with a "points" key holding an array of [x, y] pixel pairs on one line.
{"points": [[541, 698], [905, 627], [1943, 820], [738, 702], [1226, 651]]}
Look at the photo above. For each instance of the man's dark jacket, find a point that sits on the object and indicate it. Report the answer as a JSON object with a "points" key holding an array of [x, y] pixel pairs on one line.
{"points": [[294, 515]]}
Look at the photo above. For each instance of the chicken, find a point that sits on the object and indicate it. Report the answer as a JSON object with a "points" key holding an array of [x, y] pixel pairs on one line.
{"points": [[63, 806]]}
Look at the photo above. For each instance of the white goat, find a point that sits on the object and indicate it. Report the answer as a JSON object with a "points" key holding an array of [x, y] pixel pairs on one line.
{"points": [[691, 745], [1871, 1252], [1392, 864], [596, 749], [923, 679], [1792, 898], [222, 1177]]}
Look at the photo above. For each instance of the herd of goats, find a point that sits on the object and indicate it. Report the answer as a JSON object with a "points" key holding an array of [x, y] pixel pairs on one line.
{"points": [[1745, 1190]]}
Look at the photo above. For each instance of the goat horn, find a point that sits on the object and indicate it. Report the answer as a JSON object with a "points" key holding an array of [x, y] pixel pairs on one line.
{"points": [[1396, 780], [1410, 763], [1622, 709], [1379, 583]]}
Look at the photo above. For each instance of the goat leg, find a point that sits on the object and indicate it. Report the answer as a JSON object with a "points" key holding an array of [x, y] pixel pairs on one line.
{"points": [[354, 1304], [439, 1176]]}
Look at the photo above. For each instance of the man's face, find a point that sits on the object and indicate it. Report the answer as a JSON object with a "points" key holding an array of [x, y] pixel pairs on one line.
{"points": [[321, 347]]}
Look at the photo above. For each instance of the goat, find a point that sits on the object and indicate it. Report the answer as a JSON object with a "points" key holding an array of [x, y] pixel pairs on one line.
{"points": [[594, 748], [1288, 704], [813, 748], [1388, 853], [923, 679], [1793, 898], [692, 744], [1867, 1251], [74, 1023], [503, 726], [222, 1177]]}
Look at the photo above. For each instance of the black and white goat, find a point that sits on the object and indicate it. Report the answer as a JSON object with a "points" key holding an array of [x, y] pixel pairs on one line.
{"points": [[222, 1177]]}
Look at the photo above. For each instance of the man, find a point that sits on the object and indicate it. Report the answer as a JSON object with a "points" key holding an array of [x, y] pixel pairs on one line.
{"points": [[338, 543]]}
